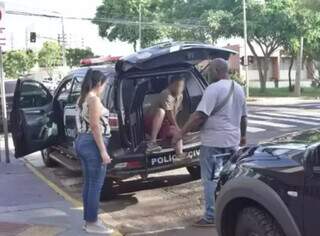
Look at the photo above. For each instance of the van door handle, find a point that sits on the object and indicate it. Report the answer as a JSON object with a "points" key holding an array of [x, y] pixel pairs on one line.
{"points": [[35, 112]]}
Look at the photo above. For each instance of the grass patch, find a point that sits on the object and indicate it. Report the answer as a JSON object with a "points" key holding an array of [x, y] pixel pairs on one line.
{"points": [[284, 92]]}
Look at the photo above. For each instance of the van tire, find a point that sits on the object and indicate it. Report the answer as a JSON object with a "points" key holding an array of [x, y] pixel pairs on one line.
{"points": [[255, 221], [194, 172], [47, 160], [107, 191]]}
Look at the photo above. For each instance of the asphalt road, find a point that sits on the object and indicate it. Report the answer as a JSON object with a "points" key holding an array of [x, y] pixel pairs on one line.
{"points": [[168, 203]]}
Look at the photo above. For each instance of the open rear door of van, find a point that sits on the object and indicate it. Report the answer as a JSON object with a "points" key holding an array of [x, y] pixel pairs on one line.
{"points": [[171, 53]]}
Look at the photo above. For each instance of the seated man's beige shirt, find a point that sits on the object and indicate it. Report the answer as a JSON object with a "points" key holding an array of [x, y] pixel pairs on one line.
{"points": [[168, 102]]}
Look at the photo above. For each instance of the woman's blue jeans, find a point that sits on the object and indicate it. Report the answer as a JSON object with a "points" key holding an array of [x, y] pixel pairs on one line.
{"points": [[94, 173]]}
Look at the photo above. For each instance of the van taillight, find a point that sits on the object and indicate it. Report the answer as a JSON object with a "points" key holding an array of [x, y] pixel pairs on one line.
{"points": [[113, 121]]}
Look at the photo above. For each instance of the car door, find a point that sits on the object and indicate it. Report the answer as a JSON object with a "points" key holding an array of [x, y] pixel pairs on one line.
{"points": [[32, 119], [312, 194]]}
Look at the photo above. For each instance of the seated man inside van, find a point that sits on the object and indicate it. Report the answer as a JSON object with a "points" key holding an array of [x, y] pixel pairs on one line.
{"points": [[161, 119]]}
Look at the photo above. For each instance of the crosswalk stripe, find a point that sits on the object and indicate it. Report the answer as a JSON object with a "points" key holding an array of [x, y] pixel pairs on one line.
{"points": [[283, 118], [255, 129], [303, 113], [271, 124], [292, 114]]}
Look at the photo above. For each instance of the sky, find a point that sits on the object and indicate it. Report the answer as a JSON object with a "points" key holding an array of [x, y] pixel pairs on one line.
{"points": [[78, 32]]}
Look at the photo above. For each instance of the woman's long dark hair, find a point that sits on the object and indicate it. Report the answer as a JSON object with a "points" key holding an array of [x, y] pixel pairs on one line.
{"points": [[92, 79]]}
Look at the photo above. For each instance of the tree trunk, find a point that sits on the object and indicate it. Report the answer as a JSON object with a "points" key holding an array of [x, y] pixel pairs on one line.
{"points": [[289, 73], [263, 67], [135, 46]]}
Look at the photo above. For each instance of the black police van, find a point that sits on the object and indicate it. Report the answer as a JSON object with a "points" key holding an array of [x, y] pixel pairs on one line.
{"points": [[49, 123], [272, 189]]}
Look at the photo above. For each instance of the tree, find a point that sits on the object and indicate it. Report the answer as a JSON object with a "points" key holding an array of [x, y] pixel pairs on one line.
{"points": [[270, 25], [74, 55], [18, 62], [187, 20], [50, 56], [118, 19]]}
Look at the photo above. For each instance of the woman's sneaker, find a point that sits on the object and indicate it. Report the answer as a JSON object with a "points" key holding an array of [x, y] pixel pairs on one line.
{"points": [[97, 228]]}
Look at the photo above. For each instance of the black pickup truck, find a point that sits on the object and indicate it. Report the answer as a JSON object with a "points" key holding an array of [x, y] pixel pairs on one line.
{"points": [[49, 123]]}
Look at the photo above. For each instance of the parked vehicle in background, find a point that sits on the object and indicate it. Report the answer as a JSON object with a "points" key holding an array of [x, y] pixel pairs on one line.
{"points": [[272, 189], [50, 84], [49, 123], [9, 89]]}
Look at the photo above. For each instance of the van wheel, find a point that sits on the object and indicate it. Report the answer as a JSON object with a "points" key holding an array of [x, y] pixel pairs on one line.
{"points": [[194, 172], [47, 160], [107, 192], [256, 222]]}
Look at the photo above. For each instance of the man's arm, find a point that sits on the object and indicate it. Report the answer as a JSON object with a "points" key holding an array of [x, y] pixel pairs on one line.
{"points": [[243, 130], [196, 120]]}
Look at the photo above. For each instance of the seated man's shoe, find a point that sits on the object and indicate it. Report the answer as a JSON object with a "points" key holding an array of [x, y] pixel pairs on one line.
{"points": [[153, 147], [204, 223]]}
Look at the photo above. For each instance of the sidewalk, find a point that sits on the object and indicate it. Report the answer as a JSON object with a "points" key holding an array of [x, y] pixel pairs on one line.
{"points": [[28, 206]]}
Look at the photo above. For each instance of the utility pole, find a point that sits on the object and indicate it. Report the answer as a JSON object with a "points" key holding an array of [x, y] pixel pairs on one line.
{"points": [[27, 39], [140, 27], [64, 61], [297, 87], [12, 41], [4, 110], [245, 39]]}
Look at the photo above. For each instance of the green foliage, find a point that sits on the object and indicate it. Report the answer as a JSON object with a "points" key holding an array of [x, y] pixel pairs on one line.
{"points": [[18, 62], [122, 11], [74, 55], [50, 56]]}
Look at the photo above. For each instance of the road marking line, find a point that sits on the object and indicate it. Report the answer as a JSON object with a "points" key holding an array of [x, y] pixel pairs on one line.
{"points": [[292, 114], [293, 120], [156, 232], [255, 129], [272, 124]]}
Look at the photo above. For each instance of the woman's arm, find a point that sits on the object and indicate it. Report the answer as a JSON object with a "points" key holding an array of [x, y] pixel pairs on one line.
{"points": [[94, 106]]}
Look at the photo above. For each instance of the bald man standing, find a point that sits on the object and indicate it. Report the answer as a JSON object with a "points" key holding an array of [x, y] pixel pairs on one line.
{"points": [[221, 114]]}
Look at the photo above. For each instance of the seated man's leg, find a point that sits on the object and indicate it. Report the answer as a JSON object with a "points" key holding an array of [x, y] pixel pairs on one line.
{"points": [[179, 145], [157, 121]]}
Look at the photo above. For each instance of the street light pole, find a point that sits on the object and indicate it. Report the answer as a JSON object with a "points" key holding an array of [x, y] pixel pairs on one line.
{"points": [[64, 61], [297, 87], [245, 39], [140, 27]]}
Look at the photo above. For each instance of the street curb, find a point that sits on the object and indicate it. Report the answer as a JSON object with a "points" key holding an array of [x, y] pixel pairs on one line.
{"points": [[62, 193]]}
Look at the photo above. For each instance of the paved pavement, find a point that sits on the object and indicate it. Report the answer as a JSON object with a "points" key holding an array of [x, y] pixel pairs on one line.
{"points": [[29, 207]]}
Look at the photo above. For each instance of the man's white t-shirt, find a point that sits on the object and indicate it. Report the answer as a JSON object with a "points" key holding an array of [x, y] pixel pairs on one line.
{"points": [[222, 129]]}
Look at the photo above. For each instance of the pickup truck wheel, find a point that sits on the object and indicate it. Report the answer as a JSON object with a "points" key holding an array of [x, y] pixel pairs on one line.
{"points": [[107, 192], [48, 161], [194, 172], [253, 221]]}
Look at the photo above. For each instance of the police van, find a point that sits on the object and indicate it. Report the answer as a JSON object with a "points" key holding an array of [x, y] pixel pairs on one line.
{"points": [[46, 122]]}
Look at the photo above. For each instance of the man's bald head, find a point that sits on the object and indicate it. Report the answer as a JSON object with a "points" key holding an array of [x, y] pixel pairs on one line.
{"points": [[218, 69]]}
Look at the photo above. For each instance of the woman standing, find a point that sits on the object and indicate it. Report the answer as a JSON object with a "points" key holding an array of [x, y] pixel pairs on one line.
{"points": [[91, 147]]}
